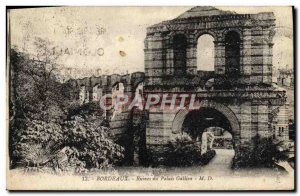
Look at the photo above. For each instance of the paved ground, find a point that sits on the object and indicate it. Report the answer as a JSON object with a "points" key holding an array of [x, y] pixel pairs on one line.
{"points": [[221, 163]]}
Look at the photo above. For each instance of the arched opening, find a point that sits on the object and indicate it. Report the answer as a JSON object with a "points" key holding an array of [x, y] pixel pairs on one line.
{"points": [[205, 53], [117, 91], [97, 92], [138, 95], [179, 52], [197, 121], [232, 54], [212, 130], [117, 94], [139, 89], [82, 94]]}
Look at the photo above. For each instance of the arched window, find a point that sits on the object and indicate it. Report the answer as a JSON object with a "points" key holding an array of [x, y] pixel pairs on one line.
{"points": [[82, 94], [117, 91], [205, 53], [179, 48], [139, 89], [97, 92], [138, 97], [232, 53]]}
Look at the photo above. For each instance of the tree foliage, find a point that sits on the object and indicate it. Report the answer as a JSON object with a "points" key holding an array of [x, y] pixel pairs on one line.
{"points": [[47, 128], [91, 144]]}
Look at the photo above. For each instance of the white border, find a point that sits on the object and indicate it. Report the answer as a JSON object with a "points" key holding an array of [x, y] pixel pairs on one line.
{"points": [[4, 3]]}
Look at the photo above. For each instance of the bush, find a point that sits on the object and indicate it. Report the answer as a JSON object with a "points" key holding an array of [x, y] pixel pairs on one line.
{"points": [[156, 156], [91, 145], [36, 143], [264, 153], [35, 155], [77, 144], [183, 152], [207, 157]]}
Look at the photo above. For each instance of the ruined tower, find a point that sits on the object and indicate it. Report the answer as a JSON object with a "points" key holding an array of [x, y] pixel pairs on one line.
{"points": [[241, 91]]}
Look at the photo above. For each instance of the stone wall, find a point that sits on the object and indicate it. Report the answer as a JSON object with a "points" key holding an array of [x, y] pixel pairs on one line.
{"points": [[119, 123], [249, 97], [244, 95], [255, 32]]}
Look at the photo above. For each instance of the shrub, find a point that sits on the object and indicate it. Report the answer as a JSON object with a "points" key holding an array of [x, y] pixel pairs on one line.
{"points": [[77, 144], [35, 155], [157, 156], [39, 131], [36, 143], [91, 145], [207, 157], [183, 152], [264, 153]]}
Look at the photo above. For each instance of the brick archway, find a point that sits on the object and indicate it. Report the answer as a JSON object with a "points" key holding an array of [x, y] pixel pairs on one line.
{"points": [[227, 112]]}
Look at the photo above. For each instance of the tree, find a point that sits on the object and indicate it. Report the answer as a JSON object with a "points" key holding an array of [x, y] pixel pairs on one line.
{"points": [[37, 101], [46, 123], [34, 82]]}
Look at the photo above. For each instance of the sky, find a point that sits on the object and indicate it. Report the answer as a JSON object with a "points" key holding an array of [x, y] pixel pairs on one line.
{"points": [[112, 38]]}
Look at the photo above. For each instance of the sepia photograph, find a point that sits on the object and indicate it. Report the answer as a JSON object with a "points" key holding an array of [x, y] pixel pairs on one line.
{"points": [[160, 98]]}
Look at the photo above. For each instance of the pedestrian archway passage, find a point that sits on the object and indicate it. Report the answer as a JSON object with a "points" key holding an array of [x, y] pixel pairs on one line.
{"points": [[207, 126], [216, 114], [214, 118], [197, 121]]}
